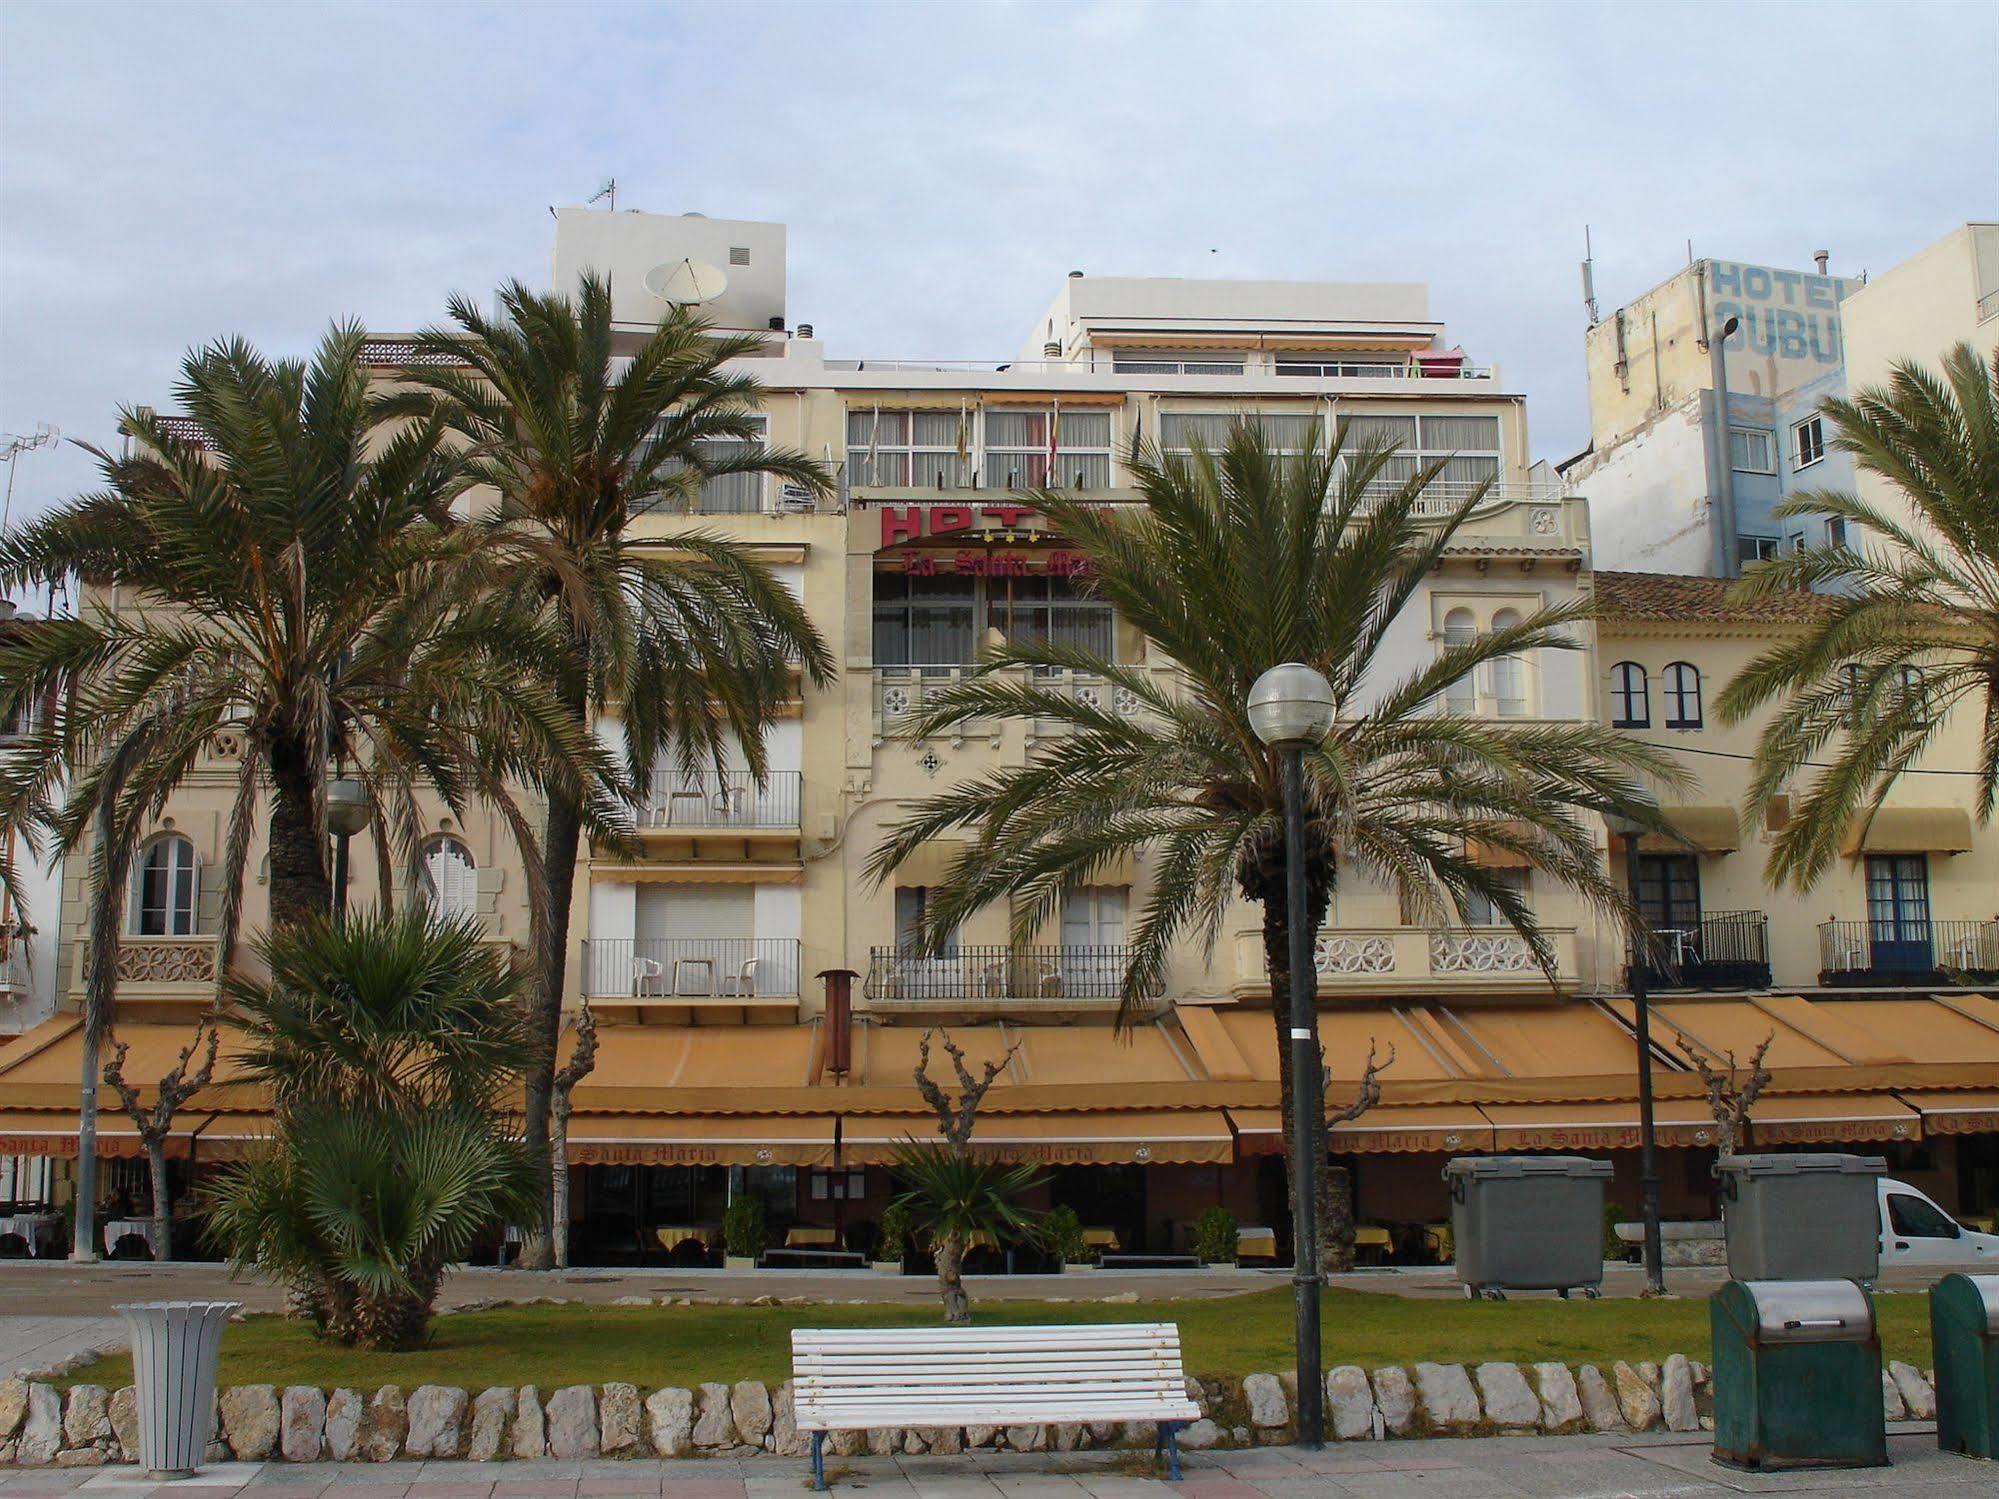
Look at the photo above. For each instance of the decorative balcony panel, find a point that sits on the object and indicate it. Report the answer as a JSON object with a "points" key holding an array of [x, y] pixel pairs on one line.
{"points": [[1013, 978], [1409, 959], [181, 962], [1480, 952]]}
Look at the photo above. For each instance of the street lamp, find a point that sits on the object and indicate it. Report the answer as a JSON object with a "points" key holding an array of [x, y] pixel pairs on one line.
{"points": [[1291, 708], [1628, 830], [1729, 563], [346, 814]]}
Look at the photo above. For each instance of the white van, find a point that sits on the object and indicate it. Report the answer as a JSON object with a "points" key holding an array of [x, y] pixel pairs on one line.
{"points": [[1915, 1231]]}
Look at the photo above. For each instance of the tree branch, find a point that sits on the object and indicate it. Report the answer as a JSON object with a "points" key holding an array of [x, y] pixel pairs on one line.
{"points": [[1368, 1093], [1730, 1095], [956, 1119], [175, 1089]]}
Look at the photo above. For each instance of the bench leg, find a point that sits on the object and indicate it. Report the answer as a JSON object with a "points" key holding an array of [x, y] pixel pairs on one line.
{"points": [[819, 1460], [1168, 1437]]}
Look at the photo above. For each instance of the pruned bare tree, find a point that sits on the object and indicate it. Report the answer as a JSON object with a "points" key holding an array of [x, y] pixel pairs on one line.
{"points": [[154, 1123], [582, 1062], [955, 1120], [1731, 1090], [1336, 1245]]}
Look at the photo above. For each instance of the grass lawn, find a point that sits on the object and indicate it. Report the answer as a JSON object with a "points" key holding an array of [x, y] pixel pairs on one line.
{"points": [[1226, 1337]]}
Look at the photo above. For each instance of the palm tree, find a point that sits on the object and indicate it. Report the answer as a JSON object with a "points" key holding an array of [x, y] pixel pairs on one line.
{"points": [[697, 644], [391, 1046], [287, 576], [955, 1197], [1238, 561], [1909, 625]]}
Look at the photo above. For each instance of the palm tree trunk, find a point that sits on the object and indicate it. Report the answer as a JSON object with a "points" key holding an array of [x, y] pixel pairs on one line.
{"points": [[1336, 1225], [562, 838], [300, 886], [163, 1220], [949, 1253]]}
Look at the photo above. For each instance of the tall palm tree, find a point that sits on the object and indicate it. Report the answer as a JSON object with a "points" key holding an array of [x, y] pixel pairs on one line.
{"points": [[1240, 560], [283, 573], [1909, 631], [695, 644]]}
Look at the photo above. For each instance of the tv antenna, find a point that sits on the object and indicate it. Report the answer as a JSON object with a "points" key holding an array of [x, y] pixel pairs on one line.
{"points": [[12, 446], [1589, 279], [607, 194]]}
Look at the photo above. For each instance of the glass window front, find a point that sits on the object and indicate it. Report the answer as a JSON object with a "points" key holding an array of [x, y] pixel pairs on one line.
{"points": [[1683, 696], [1630, 698], [163, 900], [924, 621], [1480, 911], [1019, 456]]}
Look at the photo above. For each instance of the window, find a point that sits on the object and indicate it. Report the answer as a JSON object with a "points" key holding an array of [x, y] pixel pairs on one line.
{"points": [[1683, 695], [1669, 893], [1835, 531], [1508, 673], [909, 449], [447, 881], [25, 720], [1807, 442], [1333, 367], [1898, 900], [924, 621], [1630, 699], [1919, 1218], [1219, 362], [1017, 450], [1753, 549], [723, 494], [1479, 909], [1750, 451], [1093, 916], [912, 904], [1461, 629], [1054, 609], [1469, 446], [1283, 432], [163, 897]]}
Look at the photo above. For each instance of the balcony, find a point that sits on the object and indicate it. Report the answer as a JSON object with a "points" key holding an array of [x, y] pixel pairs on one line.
{"points": [[1728, 950], [162, 968], [727, 802], [1873, 953], [1392, 959], [692, 972], [902, 692], [998, 978]]}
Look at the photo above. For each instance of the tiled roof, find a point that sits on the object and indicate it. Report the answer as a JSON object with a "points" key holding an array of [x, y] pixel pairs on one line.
{"points": [[1674, 596]]}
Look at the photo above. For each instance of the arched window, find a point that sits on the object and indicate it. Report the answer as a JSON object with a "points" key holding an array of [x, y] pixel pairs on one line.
{"points": [[1683, 695], [447, 881], [1630, 699], [164, 891], [1509, 673], [1462, 695]]}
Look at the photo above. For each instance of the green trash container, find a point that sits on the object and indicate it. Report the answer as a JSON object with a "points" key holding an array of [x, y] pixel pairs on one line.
{"points": [[1964, 1336], [1797, 1375], [1802, 1217]]}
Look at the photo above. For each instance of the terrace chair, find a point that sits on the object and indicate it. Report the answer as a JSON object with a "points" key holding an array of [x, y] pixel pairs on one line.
{"points": [[646, 973], [743, 983]]}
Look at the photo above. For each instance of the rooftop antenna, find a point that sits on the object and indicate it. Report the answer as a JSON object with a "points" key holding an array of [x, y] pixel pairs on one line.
{"points": [[608, 193], [1589, 279], [12, 447]]}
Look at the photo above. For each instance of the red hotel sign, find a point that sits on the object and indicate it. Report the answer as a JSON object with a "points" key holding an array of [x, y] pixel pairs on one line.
{"points": [[902, 523], [975, 528]]}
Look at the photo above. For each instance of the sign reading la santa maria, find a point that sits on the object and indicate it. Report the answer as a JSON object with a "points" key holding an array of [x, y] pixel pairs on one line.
{"points": [[980, 532]]}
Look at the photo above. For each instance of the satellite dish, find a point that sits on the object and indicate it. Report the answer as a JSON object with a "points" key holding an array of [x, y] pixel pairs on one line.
{"points": [[687, 283]]}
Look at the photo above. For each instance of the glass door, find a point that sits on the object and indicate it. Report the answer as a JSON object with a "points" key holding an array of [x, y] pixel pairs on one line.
{"points": [[1669, 901], [1898, 912]]}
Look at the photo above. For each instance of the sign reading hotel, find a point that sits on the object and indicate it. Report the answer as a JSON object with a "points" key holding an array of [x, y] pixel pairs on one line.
{"points": [[904, 527]]}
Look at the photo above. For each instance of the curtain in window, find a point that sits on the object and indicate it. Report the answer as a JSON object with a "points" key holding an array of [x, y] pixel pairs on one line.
{"points": [[923, 621], [1380, 431], [447, 879], [1460, 434]]}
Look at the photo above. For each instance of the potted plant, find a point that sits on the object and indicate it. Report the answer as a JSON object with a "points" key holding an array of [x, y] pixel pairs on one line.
{"points": [[1215, 1237], [1062, 1232], [742, 1233], [891, 1239]]}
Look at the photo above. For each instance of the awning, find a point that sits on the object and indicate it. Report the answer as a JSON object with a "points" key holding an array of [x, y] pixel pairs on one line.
{"points": [[702, 1069], [1491, 856], [1712, 830], [1803, 1119], [929, 863], [1596, 1124], [1910, 830], [701, 1140], [1141, 1136], [1969, 1111], [52, 1133], [42, 1069], [1386, 1128]]}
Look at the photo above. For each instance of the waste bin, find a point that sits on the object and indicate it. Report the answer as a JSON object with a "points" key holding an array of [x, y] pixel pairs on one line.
{"points": [[1797, 1375], [1964, 1337], [174, 1350], [1802, 1217], [1527, 1222]]}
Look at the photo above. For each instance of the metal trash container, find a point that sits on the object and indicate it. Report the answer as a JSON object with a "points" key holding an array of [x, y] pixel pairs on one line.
{"points": [[1802, 1217], [1527, 1222], [1964, 1336], [175, 1345], [1797, 1375]]}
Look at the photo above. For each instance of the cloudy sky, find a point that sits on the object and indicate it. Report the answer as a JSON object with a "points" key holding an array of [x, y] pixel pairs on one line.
{"points": [[170, 174]]}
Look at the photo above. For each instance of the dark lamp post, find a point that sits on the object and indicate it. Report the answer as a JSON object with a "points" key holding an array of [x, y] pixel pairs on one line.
{"points": [[1628, 832], [1291, 709]]}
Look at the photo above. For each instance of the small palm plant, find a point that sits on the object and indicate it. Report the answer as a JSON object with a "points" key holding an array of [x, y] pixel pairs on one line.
{"points": [[391, 1046], [956, 1198], [1909, 629]]}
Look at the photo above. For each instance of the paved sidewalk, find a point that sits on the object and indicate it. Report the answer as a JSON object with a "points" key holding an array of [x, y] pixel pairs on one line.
{"points": [[1500, 1467]]}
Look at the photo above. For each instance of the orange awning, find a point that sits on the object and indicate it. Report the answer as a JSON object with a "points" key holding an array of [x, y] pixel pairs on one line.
{"points": [[1141, 1136], [50, 1132], [1969, 1111], [1386, 1128], [701, 1140], [1805, 1118], [1596, 1125], [1711, 830], [1910, 830]]}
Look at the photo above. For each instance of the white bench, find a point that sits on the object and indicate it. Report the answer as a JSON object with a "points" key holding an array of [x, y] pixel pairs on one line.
{"points": [[863, 1378]]}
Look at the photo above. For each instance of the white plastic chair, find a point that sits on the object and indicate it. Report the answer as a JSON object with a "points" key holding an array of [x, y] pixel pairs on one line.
{"points": [[645, 973]]}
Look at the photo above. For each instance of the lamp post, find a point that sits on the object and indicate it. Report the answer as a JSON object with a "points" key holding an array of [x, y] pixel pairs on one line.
{"points": [[1291, 708], [1627, 831], [346, 815], [1729, 563]]}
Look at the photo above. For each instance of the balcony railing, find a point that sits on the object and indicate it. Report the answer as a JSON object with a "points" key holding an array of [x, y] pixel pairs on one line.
{"points": [[1048, 978], [902, 692], [696, 970], [1727, 950], [1908, 952], [1445, 496], [177, 961], [725, 800], [1387, 958]]}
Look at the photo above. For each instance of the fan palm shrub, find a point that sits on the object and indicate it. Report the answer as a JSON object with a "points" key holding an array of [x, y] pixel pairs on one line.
{"points": [[1241, 559], [953, 1196], [390, 1046], [1909, 630], [699, 643]]}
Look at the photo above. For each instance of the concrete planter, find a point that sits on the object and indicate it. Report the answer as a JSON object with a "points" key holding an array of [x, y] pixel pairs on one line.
{"points": [[885, 1267]]}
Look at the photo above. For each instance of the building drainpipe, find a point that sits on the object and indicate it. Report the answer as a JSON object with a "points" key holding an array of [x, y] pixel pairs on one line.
{"points": [[1727, 559]]}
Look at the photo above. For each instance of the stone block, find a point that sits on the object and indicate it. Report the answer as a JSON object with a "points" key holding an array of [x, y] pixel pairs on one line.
{"points": [[13, 1407], [250, 1420], [1349, 1403], [492, 1418], [670, 1421], [344, 1412], [1264, 1395], [125, 1422], [1676, 1394], [1637, 1396], [1448, 1399], [749, 1405], [1395, 1399], [529, 1438], [1893, 1407], [1508, 1401], [1027, 1438], [86, 1415], [1600, 1412], [572, 1422], [1198, 1436], [620, 1420], [436, 1421], [884, 1441], [1917, 1394], [1561, 1405], [301, 1423], [384, 1425], [786, 1440], [714, 1422]]}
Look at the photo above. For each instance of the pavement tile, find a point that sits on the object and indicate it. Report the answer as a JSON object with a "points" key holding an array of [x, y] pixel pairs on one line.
{"points": [[551, 1487]]}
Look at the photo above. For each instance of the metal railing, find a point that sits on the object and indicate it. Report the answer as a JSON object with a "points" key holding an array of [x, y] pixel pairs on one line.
{"points": [[1105, 361], [1880, 950], [730, 799], [1041, 977], [1445, 496], [679, 970], [1727, 950]]}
